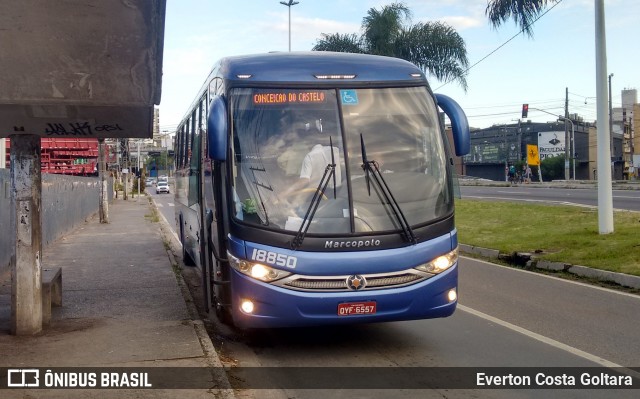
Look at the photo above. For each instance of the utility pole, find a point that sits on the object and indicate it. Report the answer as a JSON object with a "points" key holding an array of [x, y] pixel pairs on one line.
{"points": [[611, 127], [126, 171], [566, 135], [506, 156], [102, 170], [139, 174], [605, 190], [519, 141]]}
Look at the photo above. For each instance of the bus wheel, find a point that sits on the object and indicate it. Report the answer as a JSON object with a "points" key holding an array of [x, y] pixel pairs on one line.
{"points": [[223, 314], [186, 258]]}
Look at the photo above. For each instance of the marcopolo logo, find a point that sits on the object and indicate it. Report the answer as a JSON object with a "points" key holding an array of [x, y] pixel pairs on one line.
{"points": [[331, 244]]}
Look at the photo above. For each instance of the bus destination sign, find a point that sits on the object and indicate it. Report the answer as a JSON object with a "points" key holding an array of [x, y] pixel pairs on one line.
{"points": [[289, 97]]}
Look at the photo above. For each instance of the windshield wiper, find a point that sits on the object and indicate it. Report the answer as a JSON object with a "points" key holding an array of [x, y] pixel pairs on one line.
{"points": [[329, 173], [371, 168], [365, 162], [258, 185]]}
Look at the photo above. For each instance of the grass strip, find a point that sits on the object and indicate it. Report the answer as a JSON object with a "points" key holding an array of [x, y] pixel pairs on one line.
{"points": [[555, 233]]}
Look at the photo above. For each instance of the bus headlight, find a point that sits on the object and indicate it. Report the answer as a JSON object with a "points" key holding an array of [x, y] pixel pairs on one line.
{"points": [[440, 264], [256, 270]]}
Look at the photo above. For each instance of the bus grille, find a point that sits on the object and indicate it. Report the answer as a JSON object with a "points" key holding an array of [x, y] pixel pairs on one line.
{"points": [[339, 283]]}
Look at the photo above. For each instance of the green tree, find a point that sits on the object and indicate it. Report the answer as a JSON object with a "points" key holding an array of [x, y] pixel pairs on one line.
{"points": [[523, 12], [434, 47], [161, 159], [552, 168]]}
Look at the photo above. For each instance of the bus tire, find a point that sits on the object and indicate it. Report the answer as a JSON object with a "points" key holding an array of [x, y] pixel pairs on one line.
{"points": [[223, 314], [186, 258]]}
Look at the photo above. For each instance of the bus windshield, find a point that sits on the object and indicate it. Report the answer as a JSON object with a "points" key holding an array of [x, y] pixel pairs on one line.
{"points": [[291, 145]]}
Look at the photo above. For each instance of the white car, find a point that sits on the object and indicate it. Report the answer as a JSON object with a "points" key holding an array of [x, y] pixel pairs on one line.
{"points": [[162, 187]]}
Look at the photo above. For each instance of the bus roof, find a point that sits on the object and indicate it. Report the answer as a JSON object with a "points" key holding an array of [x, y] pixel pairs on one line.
{"points": [[305, 67]]}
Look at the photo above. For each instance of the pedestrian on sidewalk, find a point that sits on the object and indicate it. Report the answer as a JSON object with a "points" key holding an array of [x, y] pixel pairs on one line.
{"points": [[527, 174]]}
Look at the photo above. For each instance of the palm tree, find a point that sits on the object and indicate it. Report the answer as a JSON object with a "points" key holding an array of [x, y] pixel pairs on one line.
{"points": [[434, 47], [523, 12]]}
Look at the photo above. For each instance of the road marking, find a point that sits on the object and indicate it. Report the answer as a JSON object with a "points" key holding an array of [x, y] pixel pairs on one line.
{"points": [[514, 192], [547, 201], [549, 341], [514, 269], [567, 194], [158, 205], [531, 200], [171, 204]]}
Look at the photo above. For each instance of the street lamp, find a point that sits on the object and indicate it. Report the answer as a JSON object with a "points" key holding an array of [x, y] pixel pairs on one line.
{"points": [[573, 145], [289, 4], [165, 144]]}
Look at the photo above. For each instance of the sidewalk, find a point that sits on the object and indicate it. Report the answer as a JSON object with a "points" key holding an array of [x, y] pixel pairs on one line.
{"points": [[122, 307]]}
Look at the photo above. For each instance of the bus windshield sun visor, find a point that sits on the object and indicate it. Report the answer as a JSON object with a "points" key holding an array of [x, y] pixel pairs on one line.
{"points": [[372, 173], [329, 173]]}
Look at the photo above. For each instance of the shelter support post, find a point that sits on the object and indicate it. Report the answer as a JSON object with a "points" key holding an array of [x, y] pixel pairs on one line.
{"points": [[26, 194]]}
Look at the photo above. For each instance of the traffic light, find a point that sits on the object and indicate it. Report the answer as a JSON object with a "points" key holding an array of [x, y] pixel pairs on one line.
{"points": [[525, 110]]}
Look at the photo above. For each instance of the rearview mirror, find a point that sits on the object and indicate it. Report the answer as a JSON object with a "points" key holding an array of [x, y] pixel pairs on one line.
{"points": [[217, 129]]}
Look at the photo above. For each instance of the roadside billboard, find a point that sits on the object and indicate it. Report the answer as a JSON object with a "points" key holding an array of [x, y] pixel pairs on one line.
{"points": [[551, 144]]}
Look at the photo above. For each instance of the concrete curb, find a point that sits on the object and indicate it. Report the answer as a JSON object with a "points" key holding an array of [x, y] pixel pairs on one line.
{"points": [[220, 377], [485, 252], [625, 280]]}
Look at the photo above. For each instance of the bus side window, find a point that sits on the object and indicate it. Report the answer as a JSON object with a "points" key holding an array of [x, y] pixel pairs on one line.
{"points": [[194, 161]]}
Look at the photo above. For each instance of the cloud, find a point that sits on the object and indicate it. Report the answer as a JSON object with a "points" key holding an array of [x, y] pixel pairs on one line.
{"points": [[462, 22], [305, 28]]}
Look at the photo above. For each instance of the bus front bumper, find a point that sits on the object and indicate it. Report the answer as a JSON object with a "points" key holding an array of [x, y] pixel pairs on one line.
{"points": [[274, 306]]}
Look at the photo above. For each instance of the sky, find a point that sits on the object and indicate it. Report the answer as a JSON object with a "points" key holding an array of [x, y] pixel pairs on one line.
{"points": [[536, 71]]}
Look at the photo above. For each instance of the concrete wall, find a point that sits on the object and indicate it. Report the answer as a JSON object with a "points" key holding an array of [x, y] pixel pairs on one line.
{"points": [[67, 201]]}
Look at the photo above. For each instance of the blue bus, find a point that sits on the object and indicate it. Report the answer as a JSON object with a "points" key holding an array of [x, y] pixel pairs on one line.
{"points": [[317, 188]]}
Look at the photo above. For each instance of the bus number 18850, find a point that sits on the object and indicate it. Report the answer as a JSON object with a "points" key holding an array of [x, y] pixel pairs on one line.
{"points": [[272, 258]]}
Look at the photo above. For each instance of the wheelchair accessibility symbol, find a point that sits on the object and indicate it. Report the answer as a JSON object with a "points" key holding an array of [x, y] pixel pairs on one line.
{"points": [[349, 97]]}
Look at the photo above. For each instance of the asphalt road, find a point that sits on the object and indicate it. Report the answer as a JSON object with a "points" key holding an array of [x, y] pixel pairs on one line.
{"points": [[622, 199], [505, 318], [165, 204]]}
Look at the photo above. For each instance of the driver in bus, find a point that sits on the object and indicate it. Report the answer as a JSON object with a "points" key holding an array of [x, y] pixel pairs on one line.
{"points": [[315, 162]]}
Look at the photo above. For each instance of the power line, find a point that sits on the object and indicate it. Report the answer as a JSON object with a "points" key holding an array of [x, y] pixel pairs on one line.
{"points": [[466, 71], [508, 105], [580, 95]]}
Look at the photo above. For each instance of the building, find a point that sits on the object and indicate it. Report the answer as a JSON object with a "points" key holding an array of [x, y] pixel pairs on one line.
{"points": [[495, 148], [65, 155], [623, 127], [635, 139]]}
